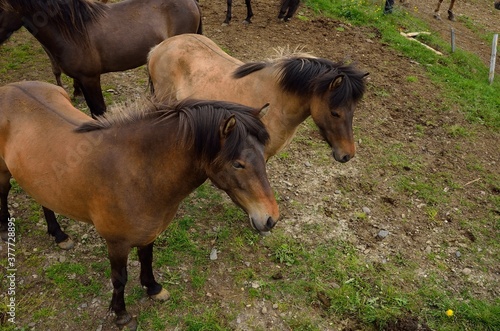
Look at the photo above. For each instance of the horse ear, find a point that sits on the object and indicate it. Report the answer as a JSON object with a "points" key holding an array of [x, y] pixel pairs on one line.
{"points": [[336, 82], [227, 126], [263, 111]]}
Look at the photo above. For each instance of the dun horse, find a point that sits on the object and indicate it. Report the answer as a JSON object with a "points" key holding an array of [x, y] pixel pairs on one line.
{"points": [[127, 176], [287, 10], [192, 65], [84, 38]]}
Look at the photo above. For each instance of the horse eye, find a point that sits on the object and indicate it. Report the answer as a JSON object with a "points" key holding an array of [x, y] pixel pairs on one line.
{"points": [[238, 165], [335, 114]]}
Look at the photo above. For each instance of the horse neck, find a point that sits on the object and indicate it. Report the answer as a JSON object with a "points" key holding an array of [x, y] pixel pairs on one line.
{"points": [[49, 36], [155, 152], [286, 112]]}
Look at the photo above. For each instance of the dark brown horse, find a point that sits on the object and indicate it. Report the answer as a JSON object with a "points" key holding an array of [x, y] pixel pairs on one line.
{"points": [[287, 10], [84, 38], [127, 175], [295, 85]]}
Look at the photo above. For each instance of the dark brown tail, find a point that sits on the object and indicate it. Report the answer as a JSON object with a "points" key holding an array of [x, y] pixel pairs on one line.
{"points": [[200, 26]]}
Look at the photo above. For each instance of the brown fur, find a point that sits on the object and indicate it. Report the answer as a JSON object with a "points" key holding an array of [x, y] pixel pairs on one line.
{"points": [[128, 177], [194, 66]]}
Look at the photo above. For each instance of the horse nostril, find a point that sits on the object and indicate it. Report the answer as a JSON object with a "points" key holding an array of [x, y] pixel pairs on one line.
{"points": [[270, 223], [346, 158]]}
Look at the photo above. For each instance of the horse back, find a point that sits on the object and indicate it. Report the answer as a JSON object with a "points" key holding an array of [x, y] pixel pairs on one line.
{"points": [[131, 28], [191, 65]]}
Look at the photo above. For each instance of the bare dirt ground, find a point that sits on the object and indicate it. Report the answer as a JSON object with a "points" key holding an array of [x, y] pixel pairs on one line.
{"points": [[313, 188]]}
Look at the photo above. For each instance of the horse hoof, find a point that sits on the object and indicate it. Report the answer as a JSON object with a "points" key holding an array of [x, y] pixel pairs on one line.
{"points": [[130, 325], [162, 296], [67, 244]]}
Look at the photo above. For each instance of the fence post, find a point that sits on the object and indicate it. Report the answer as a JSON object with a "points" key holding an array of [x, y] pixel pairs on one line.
{"points": [[493, 57], [452, 40]]}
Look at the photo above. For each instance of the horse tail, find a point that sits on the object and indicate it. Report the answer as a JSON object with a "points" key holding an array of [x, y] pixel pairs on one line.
{"points": [[200, 26], [151, 86]]}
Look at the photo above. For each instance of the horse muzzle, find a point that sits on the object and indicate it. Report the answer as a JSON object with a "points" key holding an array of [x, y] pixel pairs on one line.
{"points": [[263, 227]]}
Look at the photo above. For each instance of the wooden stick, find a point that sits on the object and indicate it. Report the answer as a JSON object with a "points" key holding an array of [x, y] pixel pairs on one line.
{"points": [[472, 181], [413, 34]]}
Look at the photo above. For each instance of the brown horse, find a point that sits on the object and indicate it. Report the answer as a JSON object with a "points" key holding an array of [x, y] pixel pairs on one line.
{"points": [[192, 65], [84, 38], [451, 16], [287, 9], [127, 175]]}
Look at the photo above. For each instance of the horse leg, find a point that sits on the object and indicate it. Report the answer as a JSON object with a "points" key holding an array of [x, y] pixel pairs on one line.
{"points": [[154, 290], [292, 8], [249, 12], [284, 6], [118, 256], [451, 16], [228, 12], [436, 11], [91, 88], [54, 229], [77, 91], [4, 208]]}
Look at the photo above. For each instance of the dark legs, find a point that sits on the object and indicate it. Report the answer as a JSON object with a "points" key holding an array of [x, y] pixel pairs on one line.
{"points": [[451, 16], [54, 229], [154, 289], [249, 12], [118, 256], [91, 88], [288, 9], [228, 12]]}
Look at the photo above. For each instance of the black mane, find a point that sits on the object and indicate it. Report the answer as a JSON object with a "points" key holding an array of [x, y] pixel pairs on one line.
{"points": [[70, 17], [198, 123], [309, 75]]}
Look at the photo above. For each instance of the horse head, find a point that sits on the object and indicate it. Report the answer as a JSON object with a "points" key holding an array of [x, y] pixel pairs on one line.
{"points": [[332, 109], [241, 173]]}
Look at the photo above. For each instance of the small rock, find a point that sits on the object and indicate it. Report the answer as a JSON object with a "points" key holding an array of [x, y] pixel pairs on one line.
{"points": [[382, 234], [428, 250], [366, 210], [264, 310], [99, 328], [213, 254], [255, 285], [275, 306], [307, 164], [62, 259], [458, 254], [466, 271]]}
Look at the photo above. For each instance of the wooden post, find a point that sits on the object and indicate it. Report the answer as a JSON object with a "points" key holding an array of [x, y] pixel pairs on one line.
{"points": [[452, 40], [493, 57]]}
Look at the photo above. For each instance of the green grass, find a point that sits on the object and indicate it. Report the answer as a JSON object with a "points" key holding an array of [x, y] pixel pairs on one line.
{"points": [[461, 74]]}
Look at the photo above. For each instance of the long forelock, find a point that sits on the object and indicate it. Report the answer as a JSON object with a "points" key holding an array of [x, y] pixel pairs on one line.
{"points": [[309, 75]]}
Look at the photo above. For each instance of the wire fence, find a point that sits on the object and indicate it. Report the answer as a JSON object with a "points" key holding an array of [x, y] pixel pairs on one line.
{"points": [[484, 48]]}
